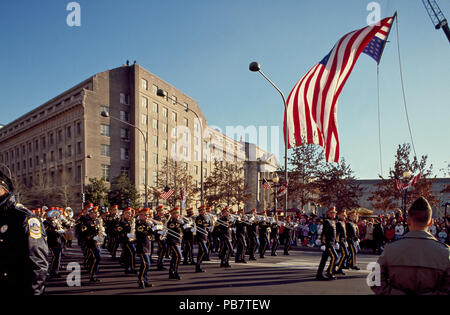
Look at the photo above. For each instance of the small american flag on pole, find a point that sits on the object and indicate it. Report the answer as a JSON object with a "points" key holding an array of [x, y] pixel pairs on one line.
{"points": [[167, 193], [282, 190], [266, 184]]}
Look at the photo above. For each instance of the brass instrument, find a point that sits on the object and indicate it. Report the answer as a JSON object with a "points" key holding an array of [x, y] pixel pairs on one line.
{"points": [[163, 230]]}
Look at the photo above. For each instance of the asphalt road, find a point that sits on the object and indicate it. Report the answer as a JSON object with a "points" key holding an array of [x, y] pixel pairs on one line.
{"points": [[280, 275]]}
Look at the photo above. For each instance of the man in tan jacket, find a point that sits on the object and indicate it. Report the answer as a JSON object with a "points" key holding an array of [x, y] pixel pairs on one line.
{"points": [[417, 263]]}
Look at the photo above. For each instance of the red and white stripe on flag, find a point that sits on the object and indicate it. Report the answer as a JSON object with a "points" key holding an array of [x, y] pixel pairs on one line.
{"points": [[414, 180], [311, 114]]}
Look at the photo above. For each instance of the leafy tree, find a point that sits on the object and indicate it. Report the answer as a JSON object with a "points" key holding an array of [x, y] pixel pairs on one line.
{"points": [[387, 196], [174, 175], [446, 189], [96, 192], [123, 193], [337, 186], [307, 162]]}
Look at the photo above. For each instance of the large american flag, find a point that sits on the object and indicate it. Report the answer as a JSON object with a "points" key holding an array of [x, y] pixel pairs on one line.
{"points": [[312, 104], [167, 193]]}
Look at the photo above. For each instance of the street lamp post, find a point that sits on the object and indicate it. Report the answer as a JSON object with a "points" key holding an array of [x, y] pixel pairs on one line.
{"points": [[160, 93], [256, 67], [83, 177], [106, 114], [406, 176]]}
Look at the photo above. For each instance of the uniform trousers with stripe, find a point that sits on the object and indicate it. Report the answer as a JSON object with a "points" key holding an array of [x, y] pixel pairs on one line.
{"points": [[144, 267], [240, 247], [202, 252], [225, 250], [175, 252], [129, 255], [329, 252], [352, 254], [343, 260], [93, 260]]}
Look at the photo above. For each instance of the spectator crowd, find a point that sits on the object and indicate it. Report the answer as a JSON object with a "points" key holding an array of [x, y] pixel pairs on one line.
{"points": [[374, 231]]}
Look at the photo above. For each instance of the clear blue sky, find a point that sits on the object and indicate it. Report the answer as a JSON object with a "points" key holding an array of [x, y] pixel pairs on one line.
{"points": [[204, 47]]}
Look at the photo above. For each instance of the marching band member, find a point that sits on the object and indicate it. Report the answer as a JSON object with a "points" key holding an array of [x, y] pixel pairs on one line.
{"points": [[55, 233], [126, 237], [288, 231], [201, 237], [208, 228], [252, 235], [162, 245], [144, 236], [225, 238], [274, 237], [240, 238], [70, 223], [91, 234], [174, 229], [111, 223], [188, 239], [328, 241], [352, 238], [341, 235], [263, 227]]}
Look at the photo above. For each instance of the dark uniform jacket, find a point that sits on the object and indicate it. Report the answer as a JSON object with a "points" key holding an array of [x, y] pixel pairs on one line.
{"points": [[329, 232], [341, 231], [224, 232], [124, 228], [200, 221], [252, 229], [23, 251], [111, 223], [54, 238], [415, 264], [263, 226], [274, 228], [90, 229], [352, 232], [144, 236], [174, 226], [240, 228]]}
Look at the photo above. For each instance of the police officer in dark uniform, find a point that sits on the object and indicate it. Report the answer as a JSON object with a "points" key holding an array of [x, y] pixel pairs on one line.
{"points": [[328, 243], [144, 236], [162, 245], [224, 232], [341, 234], [91, 233], [188, 238], [241, 244], [274, 236], [23, 247], [263, 227], [201, 237], [174, 235], [252, 232], [352, 238]]}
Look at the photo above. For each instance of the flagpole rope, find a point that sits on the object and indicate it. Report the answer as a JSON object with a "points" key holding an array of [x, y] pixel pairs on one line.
{"points": [[404, 94], [379, 118]]}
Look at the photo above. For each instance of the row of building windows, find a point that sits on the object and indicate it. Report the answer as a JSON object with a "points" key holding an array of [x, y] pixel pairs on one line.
{"points": [[8, 157], [46, 141], [43, 112]]}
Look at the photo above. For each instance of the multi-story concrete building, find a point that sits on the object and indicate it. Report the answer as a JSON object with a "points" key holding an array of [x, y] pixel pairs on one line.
{"points": [[67, 140]]}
